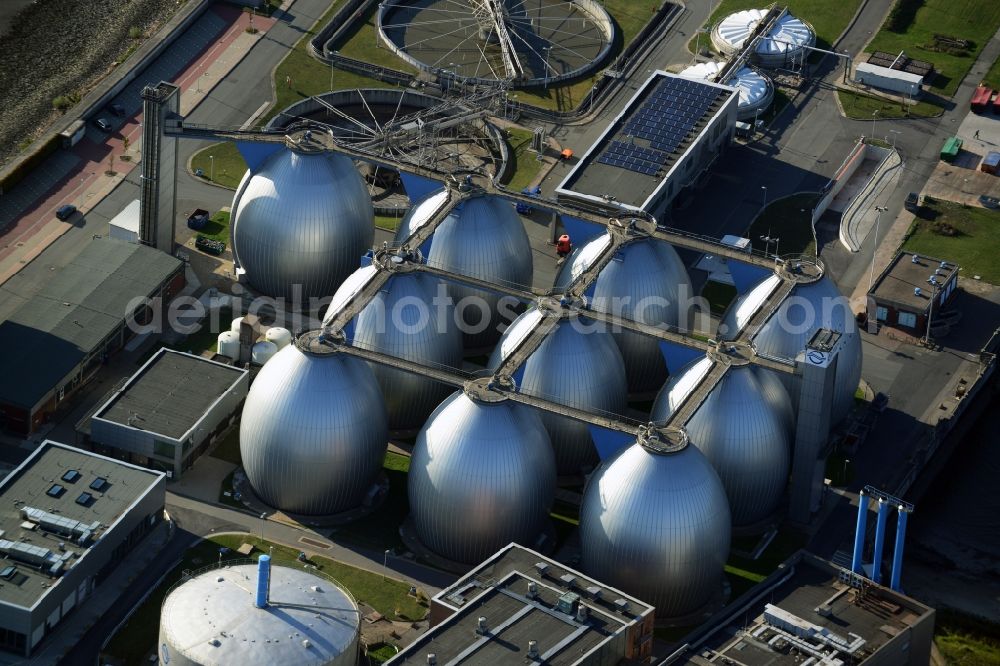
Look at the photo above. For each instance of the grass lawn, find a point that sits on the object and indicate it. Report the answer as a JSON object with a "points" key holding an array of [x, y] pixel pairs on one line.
{"points": [[526, 167], [205, 338], [229, 164], [789, 219], [217, 227], [380, 530], [718, 295], [974, 20], [827, 17], [992, 78], [387, 222], [138, 636], [861, 107], [363, 44], [975, 244], [966, 640], [744, 573]]}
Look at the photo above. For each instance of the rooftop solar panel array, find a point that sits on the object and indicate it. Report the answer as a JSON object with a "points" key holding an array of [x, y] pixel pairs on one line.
{"points": [[665, 119]]}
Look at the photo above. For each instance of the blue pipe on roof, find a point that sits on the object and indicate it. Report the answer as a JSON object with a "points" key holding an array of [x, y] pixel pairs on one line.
{"points": [[859, 533]]}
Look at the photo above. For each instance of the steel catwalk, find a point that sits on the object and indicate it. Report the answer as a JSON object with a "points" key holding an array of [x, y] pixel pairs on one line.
{"points": [[301, 219], [742, 433], [481, 476], [405, 321], [658, 527], [313, 433], [645, 281], [482, 238], [578, 365], [809, 308]]}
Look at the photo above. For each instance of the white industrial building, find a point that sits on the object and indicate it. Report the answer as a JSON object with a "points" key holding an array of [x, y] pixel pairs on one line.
{"points": [[125, 225], [67, 519], [886, 78]]}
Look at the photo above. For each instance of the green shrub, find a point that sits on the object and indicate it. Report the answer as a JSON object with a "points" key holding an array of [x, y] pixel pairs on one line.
{"points": [[902, 15], [61, 103], [135, 33]]}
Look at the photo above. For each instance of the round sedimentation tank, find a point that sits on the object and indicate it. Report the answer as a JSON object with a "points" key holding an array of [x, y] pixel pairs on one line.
{"points": [[655, 522], [645, 281], [262, 352], [742, 429], [229, 344], [579, 365], [313, 433], [403, 320], [786, 42], [814, 303], [300, 223], [281, 337], [212, 619], [532, 44], [483, 238], [756, 89], [482, 474]]}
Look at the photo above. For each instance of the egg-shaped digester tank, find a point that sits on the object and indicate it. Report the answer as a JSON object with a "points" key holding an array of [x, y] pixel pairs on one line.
{"points": [[404, 320], [302, 221], [313, 433], [741, 432], [657, 526], [579, 365], [481, 475], [483, 238], [645, 281], [810, 307], [211, 619]]}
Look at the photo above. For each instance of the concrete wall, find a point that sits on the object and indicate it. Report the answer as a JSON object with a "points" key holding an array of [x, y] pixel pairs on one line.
{"points": [[836, 184]]}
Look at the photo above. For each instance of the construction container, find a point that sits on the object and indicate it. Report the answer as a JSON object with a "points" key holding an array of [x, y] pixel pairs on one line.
{"points": [[991, 163]]}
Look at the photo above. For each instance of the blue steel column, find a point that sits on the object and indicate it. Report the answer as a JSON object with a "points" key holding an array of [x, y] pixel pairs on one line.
{"points": [[263, 580], [859, 533], [883, 515], [897, 553]]}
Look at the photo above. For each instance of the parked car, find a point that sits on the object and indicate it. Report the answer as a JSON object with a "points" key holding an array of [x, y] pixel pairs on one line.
{"points": [[117, 110], [102, 125], [65, 211]]}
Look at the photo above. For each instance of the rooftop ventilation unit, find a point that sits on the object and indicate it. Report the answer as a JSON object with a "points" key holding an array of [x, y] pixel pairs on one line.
{"points": [[35, 556], [481, 628], [542, 567], [916, 291], [915, 259], [944, 264], [533, 650], [74, 529]]}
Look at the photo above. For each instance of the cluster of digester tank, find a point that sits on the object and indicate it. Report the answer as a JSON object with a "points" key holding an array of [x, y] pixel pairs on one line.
{"points": [[786, 43], [655, 519]]}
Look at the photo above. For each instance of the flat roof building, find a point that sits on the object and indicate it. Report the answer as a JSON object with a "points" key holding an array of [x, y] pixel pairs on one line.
{"points": [[67, 518], [170, 411], [61, 335], [667, 135], [811, 609], [519, 603], [901, 296]]}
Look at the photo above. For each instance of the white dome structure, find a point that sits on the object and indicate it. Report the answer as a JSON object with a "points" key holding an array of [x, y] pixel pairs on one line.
{"points": [[784, 44], [481, 475], [482, 238], [579, 365], [645, 280], [402, 320], [756, 90], [301, 221], [211, 619], [657, 525], [313, 433], [281, 337], [741, 432], [810, 307]]}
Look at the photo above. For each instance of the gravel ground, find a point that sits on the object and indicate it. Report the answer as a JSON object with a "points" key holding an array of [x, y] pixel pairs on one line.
{"points": [[63, 47]]}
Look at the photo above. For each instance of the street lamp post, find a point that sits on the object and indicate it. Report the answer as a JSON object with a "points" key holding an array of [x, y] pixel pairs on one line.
{"points": [[262, 517], [211, 168], [385, 562], [878, 216], [874, 114], [547, 50], [894, 133], [763, 188]]}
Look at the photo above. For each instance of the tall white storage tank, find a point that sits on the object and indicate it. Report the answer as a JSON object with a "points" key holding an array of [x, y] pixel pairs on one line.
{"points": [[229, 344]]}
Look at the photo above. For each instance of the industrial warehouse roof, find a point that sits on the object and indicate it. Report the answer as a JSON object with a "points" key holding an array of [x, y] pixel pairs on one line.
{"points": [[73, 313], [818, 605], [897, 283], [654, 133], [170, 393], [498, 589], [69, 490]]}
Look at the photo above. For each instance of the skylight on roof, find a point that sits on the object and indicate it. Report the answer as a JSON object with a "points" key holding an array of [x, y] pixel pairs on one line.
{"points": [[55, 490], [71, 476], [98, 483], [84, 499]]}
